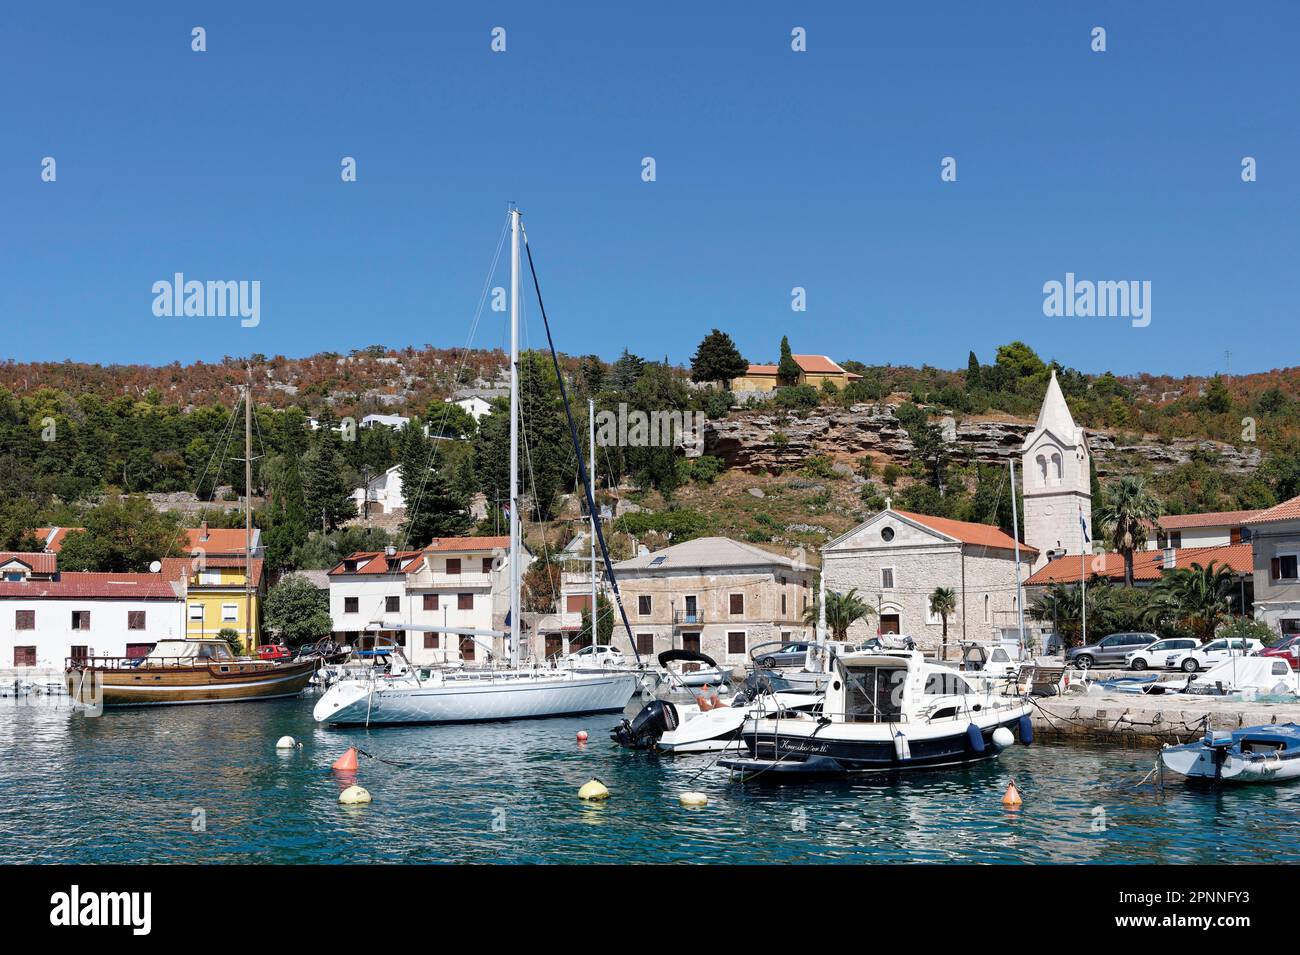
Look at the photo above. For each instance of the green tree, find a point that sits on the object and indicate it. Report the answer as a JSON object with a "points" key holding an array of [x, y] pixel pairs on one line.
{"points": [[1128, 509], [787, 369], [326, 489], [943, 602], [1217, 399], [122, 535], [1021, 361], [287, 524], [717, 359], [842, 611], [296, 611], [604, 622], [972, 372], [434, 506], [1197, 598]]}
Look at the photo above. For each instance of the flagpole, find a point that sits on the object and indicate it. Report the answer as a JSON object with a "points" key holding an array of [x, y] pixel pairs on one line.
{"points": [[1083, 575]]}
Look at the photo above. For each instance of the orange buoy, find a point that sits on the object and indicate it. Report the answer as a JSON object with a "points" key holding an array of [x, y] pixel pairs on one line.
{"points": [[347, 762], [582, 736], [1012, 796]]}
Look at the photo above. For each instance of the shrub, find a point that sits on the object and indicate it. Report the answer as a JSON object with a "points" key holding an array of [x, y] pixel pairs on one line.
{"points": [[681, 524], [1243, 628], [892, 473], [797, 396], [718, 403], [819, 465], [702, 470]]}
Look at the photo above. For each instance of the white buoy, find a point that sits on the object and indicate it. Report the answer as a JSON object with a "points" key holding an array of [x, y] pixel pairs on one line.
{"points": [[286, 742], [694, 799], [1003, 737], [354, 796], [593, 790]]}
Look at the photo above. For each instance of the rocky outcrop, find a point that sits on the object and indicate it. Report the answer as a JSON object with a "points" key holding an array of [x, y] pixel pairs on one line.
{"points": [[758, 440]]}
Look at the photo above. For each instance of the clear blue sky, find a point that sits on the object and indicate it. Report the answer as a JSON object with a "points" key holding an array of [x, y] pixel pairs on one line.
{"points": [[775, 169]]}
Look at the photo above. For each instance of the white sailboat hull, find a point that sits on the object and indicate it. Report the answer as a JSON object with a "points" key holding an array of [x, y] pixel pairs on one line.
{"points": [[476, 698]]}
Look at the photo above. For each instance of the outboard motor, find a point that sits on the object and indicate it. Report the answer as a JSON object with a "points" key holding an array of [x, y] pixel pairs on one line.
{"points": [[656, 718]]}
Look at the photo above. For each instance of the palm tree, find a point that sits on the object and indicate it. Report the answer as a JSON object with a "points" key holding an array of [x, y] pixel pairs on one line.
{"points": [[1197, 598], [1060, 605], [842, 611], [943, 602], [1126, 510]]}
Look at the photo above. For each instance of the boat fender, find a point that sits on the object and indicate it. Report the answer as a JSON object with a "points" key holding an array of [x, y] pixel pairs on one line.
{"points": [[902, 749], [1003, 737], [1026, 730], [593, 790], [354, 796], [694, 799], [975, 738], [285, 742]]}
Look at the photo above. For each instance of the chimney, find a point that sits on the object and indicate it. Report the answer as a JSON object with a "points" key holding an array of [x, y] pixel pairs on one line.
{"points": [[203, 531], [1171, 558]]}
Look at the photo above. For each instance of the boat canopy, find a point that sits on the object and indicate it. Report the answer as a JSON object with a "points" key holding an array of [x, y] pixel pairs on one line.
{"points": [[191, 650], [1261, 672], [689, 656]]}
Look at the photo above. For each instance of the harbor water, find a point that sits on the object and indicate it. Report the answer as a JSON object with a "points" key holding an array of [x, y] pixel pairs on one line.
{"points": [[205, 784]]}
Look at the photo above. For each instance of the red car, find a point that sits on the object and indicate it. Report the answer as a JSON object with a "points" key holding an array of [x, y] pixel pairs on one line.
{"points": [[273, 651], [1288, 648]]}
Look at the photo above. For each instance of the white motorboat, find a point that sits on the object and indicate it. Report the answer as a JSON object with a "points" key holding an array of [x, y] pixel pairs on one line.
{"points": [[1252, 754], [433, 695], [886, 711], [696, 728], [1245, 676]]}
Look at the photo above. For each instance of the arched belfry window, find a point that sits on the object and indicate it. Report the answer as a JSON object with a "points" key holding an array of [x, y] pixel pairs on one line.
{"points": [[1042, 469], [1058, 471]]}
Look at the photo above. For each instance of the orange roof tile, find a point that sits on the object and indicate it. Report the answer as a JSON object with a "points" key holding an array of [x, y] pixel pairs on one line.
{"points": [[445, 544], [1147, 564], [93, 585], [52, 537], [984, 535], [376, 562], [1173, 522], [36, 561], [818, 365], [220, 540], [174, 568], [1286, 511]]}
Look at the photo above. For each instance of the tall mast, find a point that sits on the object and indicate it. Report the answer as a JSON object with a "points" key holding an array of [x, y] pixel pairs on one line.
{"points": [[514, 438], [1015, 530], [591, 481], [248, 513]]}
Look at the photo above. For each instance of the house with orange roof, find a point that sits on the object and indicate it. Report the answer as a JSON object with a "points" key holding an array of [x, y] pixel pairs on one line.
{"points": [[896, 559], [1275, 542], [1207, 529], [52, 538], [217, 594], [813, 370]]}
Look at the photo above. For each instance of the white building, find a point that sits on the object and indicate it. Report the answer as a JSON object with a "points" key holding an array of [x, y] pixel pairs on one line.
{"points": [[395, 421], [1210, 529], [46, 620], [1056, 480], [896, 559], [477, 403], [460, 582], [1275, 543], [383, 492]]}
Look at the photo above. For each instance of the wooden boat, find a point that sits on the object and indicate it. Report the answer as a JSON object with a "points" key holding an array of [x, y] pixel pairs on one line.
{"points": [[184, 671]]}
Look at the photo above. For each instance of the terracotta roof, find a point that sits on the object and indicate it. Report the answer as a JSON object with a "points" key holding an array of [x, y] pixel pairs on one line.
{"points": [[84, 586], [761, 370], [1147, 564], [220, 540], [705, 553], [53, 537], [446, 544], [809, 364], [983, 535], [37, 562], [375, 562], [174, 568], [1286, 511], [1173, 522]]}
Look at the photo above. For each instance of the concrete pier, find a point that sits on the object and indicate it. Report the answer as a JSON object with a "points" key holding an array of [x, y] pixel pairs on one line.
{"points": [[1148, 721]]}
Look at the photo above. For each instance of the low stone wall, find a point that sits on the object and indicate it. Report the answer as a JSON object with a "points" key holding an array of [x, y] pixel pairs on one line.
{"points": [[1148, 721]]}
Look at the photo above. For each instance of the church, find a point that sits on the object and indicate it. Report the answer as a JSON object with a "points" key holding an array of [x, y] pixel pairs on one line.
{"points": [[895, 559]]}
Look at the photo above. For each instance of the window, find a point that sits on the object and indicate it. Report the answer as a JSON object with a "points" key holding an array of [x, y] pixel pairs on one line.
{"points": [[24, 619], [986, 608], [392, 604], [887, 578], [196, 612], [467, 648], [487, 565], [645, 643], [24, 656], [736, 605], [1057, 469], [643, 605], [576, 603], [135, 620], [430, 601], [1290, 625], [887, 534], [1285, 567], [783, 605], [453, 565], [83, 653], [945, 684], [736, 643], [1041, 461], [81, 620], [137, 650], [350, 604], [431, 641], [464, 601], [229, 612]]}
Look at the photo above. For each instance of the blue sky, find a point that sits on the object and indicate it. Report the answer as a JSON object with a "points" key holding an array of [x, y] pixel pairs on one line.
{"points": [[775, 169]]}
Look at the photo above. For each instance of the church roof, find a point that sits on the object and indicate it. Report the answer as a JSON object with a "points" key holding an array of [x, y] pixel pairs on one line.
{"points": [[1054, 416]]}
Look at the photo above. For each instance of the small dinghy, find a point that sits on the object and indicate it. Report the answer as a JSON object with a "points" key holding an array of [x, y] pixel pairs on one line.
{"points": [[1252, 754]]}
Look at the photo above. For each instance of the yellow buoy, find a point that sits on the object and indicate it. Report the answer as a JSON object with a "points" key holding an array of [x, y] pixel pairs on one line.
{"points": [[1012, 796], [593, 790], [694, 799], [354, 795]]}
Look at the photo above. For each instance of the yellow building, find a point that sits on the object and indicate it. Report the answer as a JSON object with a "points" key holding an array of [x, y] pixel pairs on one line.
{"points": [[217, 598], [813, 370]]}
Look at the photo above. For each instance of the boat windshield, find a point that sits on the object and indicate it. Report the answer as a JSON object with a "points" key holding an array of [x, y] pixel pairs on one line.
{"points": [[873, 694]]}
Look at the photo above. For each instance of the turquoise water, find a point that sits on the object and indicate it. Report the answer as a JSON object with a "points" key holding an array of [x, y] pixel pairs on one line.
{"points": [[124, 788]]}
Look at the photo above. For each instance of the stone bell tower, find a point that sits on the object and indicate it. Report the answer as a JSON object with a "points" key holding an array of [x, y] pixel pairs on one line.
{"points": [[1056, 480]]}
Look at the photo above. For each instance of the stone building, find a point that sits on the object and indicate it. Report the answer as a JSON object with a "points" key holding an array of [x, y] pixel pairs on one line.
{"points": [[896, 559], [1275, 541], [1057, 481], [713, 595]]}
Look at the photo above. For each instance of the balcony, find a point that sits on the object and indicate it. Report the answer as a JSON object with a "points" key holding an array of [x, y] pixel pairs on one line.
{"points": [[688, 618]]}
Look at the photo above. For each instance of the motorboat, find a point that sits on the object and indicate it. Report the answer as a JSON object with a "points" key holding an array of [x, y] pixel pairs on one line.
{"points": [[697, 669], [184, 671], [1248, 677], [1252, 754], [885, 711]]}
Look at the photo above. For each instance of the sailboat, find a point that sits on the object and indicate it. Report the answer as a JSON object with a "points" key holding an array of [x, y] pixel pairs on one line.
{"points": [[431, 695]]}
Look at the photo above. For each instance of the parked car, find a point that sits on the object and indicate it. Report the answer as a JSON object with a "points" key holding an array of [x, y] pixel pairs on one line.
{"points": [[1288, 648], [1216, 651], [273, 651], [600, 655], [788, 654], [1157, 654], [1109, 650]]}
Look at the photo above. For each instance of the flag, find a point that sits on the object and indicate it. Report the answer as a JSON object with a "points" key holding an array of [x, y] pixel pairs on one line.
{"points": [[1083, 527]]}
